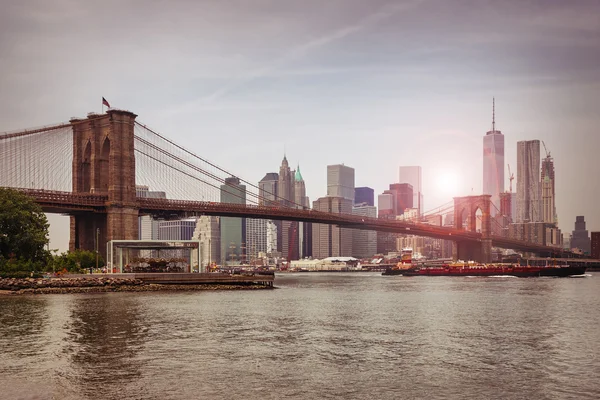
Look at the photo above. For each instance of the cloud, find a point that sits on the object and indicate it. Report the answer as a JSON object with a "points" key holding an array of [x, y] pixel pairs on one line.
{"points": [[299, 51]]}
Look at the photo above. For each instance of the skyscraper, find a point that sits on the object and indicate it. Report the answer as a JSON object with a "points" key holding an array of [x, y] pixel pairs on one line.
{"points": [[263, 237], [386, 241], [579, 237], [403, 197], [256, 237], [548, 191], [528, 182], [148, 226], [493, 163], [300, 240], [413, 175], [596, 245], [179, 229], [286, 199], [233, 230], [364, 243], [285, 184], [364, 195], [267, 189], [340, 181], [331, 240], [209, 234]]}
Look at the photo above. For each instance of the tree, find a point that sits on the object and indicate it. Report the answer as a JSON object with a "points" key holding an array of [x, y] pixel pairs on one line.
{"points": [[23, 227], [74, 261]]}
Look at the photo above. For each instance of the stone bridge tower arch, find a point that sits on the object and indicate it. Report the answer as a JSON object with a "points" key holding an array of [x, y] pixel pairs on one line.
{"points": [[469, 205], [104, 164]]}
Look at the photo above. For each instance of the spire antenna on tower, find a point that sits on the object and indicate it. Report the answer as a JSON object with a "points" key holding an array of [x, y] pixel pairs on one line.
{"points": [[493, 115]]}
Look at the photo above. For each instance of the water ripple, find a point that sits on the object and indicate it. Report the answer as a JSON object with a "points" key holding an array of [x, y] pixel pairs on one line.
{"points": [[330, 336]]}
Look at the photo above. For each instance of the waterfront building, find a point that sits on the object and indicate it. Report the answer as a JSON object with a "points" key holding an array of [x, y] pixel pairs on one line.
{"points": [[410, 215], [148, 226], [208, 232], [271, 237], [580, 238], [364, 243], [413, 176], [536, 232], [233, 230], [493, 163], [364, 195], [595, 247], [181, 229], [340, 181], [331, 240], [528, 182], [416, 243], [256, 237]]}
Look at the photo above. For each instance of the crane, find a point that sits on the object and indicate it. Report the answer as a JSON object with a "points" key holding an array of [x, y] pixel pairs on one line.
{"points": [[546, 150], [510, 177]]}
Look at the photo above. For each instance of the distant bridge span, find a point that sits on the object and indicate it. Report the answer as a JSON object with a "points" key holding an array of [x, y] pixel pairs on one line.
{"points": [[73, 203], [95, 166]]}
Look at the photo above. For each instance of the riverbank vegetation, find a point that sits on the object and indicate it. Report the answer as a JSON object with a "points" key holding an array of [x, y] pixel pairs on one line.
{"points": [[24, 241]]}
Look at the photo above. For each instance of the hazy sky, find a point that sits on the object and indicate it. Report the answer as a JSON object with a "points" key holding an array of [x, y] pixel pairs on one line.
{"points": [[372, 84]]}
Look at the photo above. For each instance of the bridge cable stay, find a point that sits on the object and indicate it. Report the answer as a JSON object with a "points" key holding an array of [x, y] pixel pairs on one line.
{"points": [[261, 198], [189, 165], [37, 159], [194, 177], [289, 204], [443, 209]]}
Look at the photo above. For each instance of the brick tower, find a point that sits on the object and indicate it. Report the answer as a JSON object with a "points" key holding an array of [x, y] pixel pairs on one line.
{"points": [[104, 164]]}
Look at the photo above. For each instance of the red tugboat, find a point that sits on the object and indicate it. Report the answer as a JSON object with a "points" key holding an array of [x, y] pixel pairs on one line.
{"points": [[404, 265], [471, 268]]}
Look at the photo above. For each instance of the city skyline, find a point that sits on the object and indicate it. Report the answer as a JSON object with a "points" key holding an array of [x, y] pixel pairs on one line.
{"points": [[371, 81]]}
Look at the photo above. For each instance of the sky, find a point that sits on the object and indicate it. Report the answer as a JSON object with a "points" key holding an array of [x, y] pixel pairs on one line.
{"points": [[372, 84]]}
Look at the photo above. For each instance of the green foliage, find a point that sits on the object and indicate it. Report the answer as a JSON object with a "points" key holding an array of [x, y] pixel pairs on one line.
{"points": [[23, 231], [16, 268], [74, 261]]}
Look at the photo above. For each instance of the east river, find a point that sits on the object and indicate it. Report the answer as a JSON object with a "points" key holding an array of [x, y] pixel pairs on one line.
{"points": [[320, 335]]}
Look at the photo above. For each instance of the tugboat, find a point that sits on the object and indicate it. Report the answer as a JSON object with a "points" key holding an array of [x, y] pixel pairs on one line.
{"points": [[405, 265]]}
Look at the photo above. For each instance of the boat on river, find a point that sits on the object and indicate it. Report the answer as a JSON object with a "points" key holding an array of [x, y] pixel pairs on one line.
{"points": [[470, 268]]}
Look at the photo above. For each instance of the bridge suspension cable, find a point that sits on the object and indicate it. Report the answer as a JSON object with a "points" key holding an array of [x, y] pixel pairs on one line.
{"points": [[37, 159], [207, 167]]}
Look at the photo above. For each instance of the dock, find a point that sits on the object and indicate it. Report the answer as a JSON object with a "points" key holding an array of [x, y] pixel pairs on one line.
{"points": [[178, 278]]}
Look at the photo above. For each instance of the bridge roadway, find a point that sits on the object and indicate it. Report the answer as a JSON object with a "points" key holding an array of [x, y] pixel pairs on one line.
{"points": [[68, 203]]}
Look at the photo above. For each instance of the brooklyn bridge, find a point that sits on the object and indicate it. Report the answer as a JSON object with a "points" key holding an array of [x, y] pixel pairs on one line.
{"points": [[89, 167]]}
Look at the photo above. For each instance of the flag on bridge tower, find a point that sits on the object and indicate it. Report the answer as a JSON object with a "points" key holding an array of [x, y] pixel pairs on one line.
{"points": [[105, 103]]}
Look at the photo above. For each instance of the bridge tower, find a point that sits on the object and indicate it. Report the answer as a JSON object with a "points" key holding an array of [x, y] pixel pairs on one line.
{"points": [[481, 252], [104, 163]]}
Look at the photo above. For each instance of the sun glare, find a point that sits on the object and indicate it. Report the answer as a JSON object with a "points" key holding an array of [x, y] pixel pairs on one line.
{"points": [[447, 183]]}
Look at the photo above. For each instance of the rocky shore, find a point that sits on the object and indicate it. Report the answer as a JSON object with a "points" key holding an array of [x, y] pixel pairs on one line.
{"points": [[103, 284]]}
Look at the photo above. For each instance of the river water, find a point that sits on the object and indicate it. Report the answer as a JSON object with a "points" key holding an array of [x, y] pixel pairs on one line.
{"points": [[320, 335]]}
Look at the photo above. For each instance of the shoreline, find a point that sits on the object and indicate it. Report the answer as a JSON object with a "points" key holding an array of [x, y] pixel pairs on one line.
{"points": [[21, 286]]}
